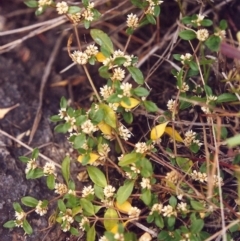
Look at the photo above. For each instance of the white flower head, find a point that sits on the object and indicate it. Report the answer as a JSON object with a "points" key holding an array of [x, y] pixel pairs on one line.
{"points": [[199, 19], [42, 3], [40, 209], [62, 7], [20, 215], [88, 15], [141, 147], [124, 132], [171, 105], [157, 207], [118, 74], [109, 191], [106, 91], [60, 188], [132, 21], [202, 34], [79, 57], [126, 87], [172, 177], [49, 169], [87, 191], [88, 127], [182, 207], [31, 165], [145, 183], [168, 211], [186, 57], [91, 50], [83, 223], [134, 212]]}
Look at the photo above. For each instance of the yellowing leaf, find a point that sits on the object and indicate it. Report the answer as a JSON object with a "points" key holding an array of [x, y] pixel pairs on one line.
{"points": [[4, 111], [105, 128], [114, 230], [133, 103], [158, 131], [124, 207], [100, 57], [93, 157], [173, 133], [110, 219]]}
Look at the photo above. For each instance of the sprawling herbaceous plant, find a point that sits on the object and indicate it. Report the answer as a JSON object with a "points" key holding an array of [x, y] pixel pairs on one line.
{"points": [[165, 198]]}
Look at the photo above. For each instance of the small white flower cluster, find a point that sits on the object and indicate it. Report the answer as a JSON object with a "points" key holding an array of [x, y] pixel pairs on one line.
{"points": [[199, 19], [141, 147], [172, 177], [106, 91], [118, 74], [185, 58], [202, 34], [105, 149], [72, 192], [19, 218], [118, 53], [71, 121], [124, 133], [88, 127], [81, 58], [168, 211], [42, 3], [182, 207], [87, 191], [190, 137], [202, 177], [171, 105], [134, 212], [221, 34], [60, 188], [109, 191], [212, 98], [84, 222], [88, 13], [186, 237], [126, 88], [132, 21], [184, 87], [157, 207], [151, 6], [146, 183], [40, 209], [62, 7], [49, 169], [67, 220], [62, 113], [133, 173], [119, 237], [103, 238], [31, 165]]}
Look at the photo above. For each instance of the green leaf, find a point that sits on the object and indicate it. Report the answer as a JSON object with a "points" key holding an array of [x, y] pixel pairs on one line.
{"points": [[197, 205], [9, 224], [146, 197], [61, 205], [87, 206], [157, 10], [74, 9], [146, 167], [151, 19], [187, 35], [125, 191], [233, 141], [63, 103], [17, 207], [104, 73], [98, 191], [110, 219], [62, 128], [206, 22], [31, 3], [128, 117], [177, 57], [213, 43], [119, 61], [66, 169], [223, 24], [91, 234], [185, 164], [128, 159], [196, 226], [171, 221], [35, 153], [139, 4], [51, 182], [136, 74], [79, 141], [159, 221], [164, 235], [35, 173], [110, 117], [29, 201], [74, 231], [173, 201], [24, 159], [193, 65], [140, 91], [150, 106], [97, 176], [226, 97], [103, 40], [55, 118], [87, 24], [27, 227], [208, 90]]}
